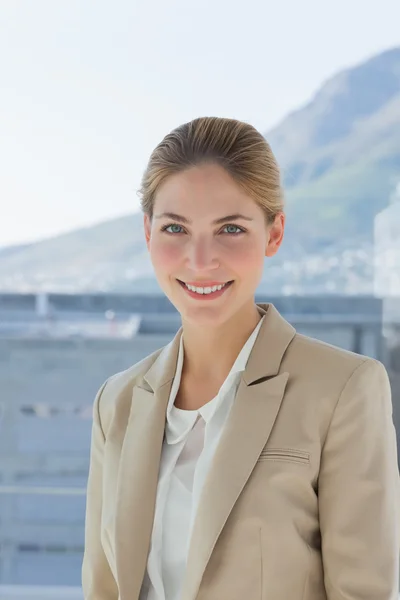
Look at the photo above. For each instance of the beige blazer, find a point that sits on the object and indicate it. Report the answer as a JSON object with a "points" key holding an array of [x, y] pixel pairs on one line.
{"points": [[301, 502]]}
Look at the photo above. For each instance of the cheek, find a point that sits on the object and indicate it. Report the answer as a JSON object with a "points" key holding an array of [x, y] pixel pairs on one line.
{"points": [[164, 255], [246, 258]]}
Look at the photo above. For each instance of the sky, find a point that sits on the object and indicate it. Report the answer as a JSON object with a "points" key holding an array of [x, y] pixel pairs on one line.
{"points": [[88, 88]]}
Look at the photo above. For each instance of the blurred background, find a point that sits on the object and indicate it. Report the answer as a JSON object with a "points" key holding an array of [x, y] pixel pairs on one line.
{"points": [[87, 89]]}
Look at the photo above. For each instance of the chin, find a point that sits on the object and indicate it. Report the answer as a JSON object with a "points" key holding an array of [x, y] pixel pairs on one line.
{"points": [[204, 317], [207, 313]]}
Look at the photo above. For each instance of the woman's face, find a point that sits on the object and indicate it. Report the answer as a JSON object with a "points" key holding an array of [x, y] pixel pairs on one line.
{"points": [[207, 233]]}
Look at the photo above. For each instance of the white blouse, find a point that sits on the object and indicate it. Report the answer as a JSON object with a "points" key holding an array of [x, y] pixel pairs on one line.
{"points": [[191, 438]]}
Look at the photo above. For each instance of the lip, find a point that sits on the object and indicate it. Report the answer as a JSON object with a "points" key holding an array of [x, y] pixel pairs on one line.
{"points": [[205, 297], [203, 284]]}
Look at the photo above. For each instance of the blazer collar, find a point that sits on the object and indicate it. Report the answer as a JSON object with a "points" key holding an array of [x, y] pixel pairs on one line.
{"points": [[275, 335], [272, 341]]}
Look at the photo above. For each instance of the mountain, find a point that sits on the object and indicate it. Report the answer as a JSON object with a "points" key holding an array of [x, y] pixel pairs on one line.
{"points": [[340, 159], [340, 154], [101, 257]]}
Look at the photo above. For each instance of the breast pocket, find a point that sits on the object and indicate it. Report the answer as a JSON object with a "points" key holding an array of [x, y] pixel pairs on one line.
{"points": [[285, 455]]}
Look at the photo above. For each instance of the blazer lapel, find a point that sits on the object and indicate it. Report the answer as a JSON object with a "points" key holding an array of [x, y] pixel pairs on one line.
{"points": [[251, 419], [138, 471]]}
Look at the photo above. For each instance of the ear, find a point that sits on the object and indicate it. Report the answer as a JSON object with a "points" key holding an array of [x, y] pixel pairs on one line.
{"points": [[275, 235], [147, 230]]}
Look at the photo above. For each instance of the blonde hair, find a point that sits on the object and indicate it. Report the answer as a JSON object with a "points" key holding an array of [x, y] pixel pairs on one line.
{"points": [[234, 145]]}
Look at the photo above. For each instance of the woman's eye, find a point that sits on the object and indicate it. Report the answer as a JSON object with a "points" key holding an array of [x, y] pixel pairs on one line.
{"points": [[233, 229], [174, 228]]}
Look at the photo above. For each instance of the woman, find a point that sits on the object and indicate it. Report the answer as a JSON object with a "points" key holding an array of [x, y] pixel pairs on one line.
{"points": [[242, 461]]}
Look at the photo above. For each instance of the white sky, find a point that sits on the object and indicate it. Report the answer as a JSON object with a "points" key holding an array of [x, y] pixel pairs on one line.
{"points": [[89, 87]]}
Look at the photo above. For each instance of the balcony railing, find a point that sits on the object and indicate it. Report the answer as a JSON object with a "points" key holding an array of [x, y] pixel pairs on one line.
{"points": [[28, 592]]}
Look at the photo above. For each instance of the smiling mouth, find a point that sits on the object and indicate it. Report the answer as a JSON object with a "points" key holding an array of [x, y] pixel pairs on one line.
{"points": [[206, 290]]}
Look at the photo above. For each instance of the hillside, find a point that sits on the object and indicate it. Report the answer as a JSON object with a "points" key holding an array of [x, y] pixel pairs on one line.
{"points": [[100, 257], [340, 156]]}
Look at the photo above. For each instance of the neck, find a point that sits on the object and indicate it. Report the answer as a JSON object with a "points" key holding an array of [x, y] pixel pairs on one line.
{"points": [[211, 351]]}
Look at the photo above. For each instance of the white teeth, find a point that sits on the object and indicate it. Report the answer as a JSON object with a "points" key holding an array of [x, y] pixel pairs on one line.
{"points": [[205, 290]]}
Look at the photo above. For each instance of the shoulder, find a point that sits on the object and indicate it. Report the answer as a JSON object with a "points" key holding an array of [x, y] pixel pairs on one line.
{"points": [[312, 353], [116, 391], [333, 367], [339, 384]]}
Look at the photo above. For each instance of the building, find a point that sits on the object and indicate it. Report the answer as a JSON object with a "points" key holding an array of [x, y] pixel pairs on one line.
{"points": [[387, 249], [387, 274]]}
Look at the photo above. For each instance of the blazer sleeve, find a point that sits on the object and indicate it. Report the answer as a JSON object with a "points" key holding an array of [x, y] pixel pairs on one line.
{"points": [[98, 582], [358, 491]]}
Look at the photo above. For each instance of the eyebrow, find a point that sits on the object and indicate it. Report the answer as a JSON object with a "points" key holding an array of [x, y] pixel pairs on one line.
{"points": [[181, 219]]}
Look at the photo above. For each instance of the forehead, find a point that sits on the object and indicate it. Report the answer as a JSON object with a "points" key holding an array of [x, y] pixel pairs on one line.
{"points": [[203, 189]]}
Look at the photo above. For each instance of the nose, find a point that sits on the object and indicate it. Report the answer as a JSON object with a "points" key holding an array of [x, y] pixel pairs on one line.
{"points": [[202, 255]]}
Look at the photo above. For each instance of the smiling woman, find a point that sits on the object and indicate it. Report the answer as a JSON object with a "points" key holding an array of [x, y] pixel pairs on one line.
{"points": [[233, 462], [213, 210]]}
